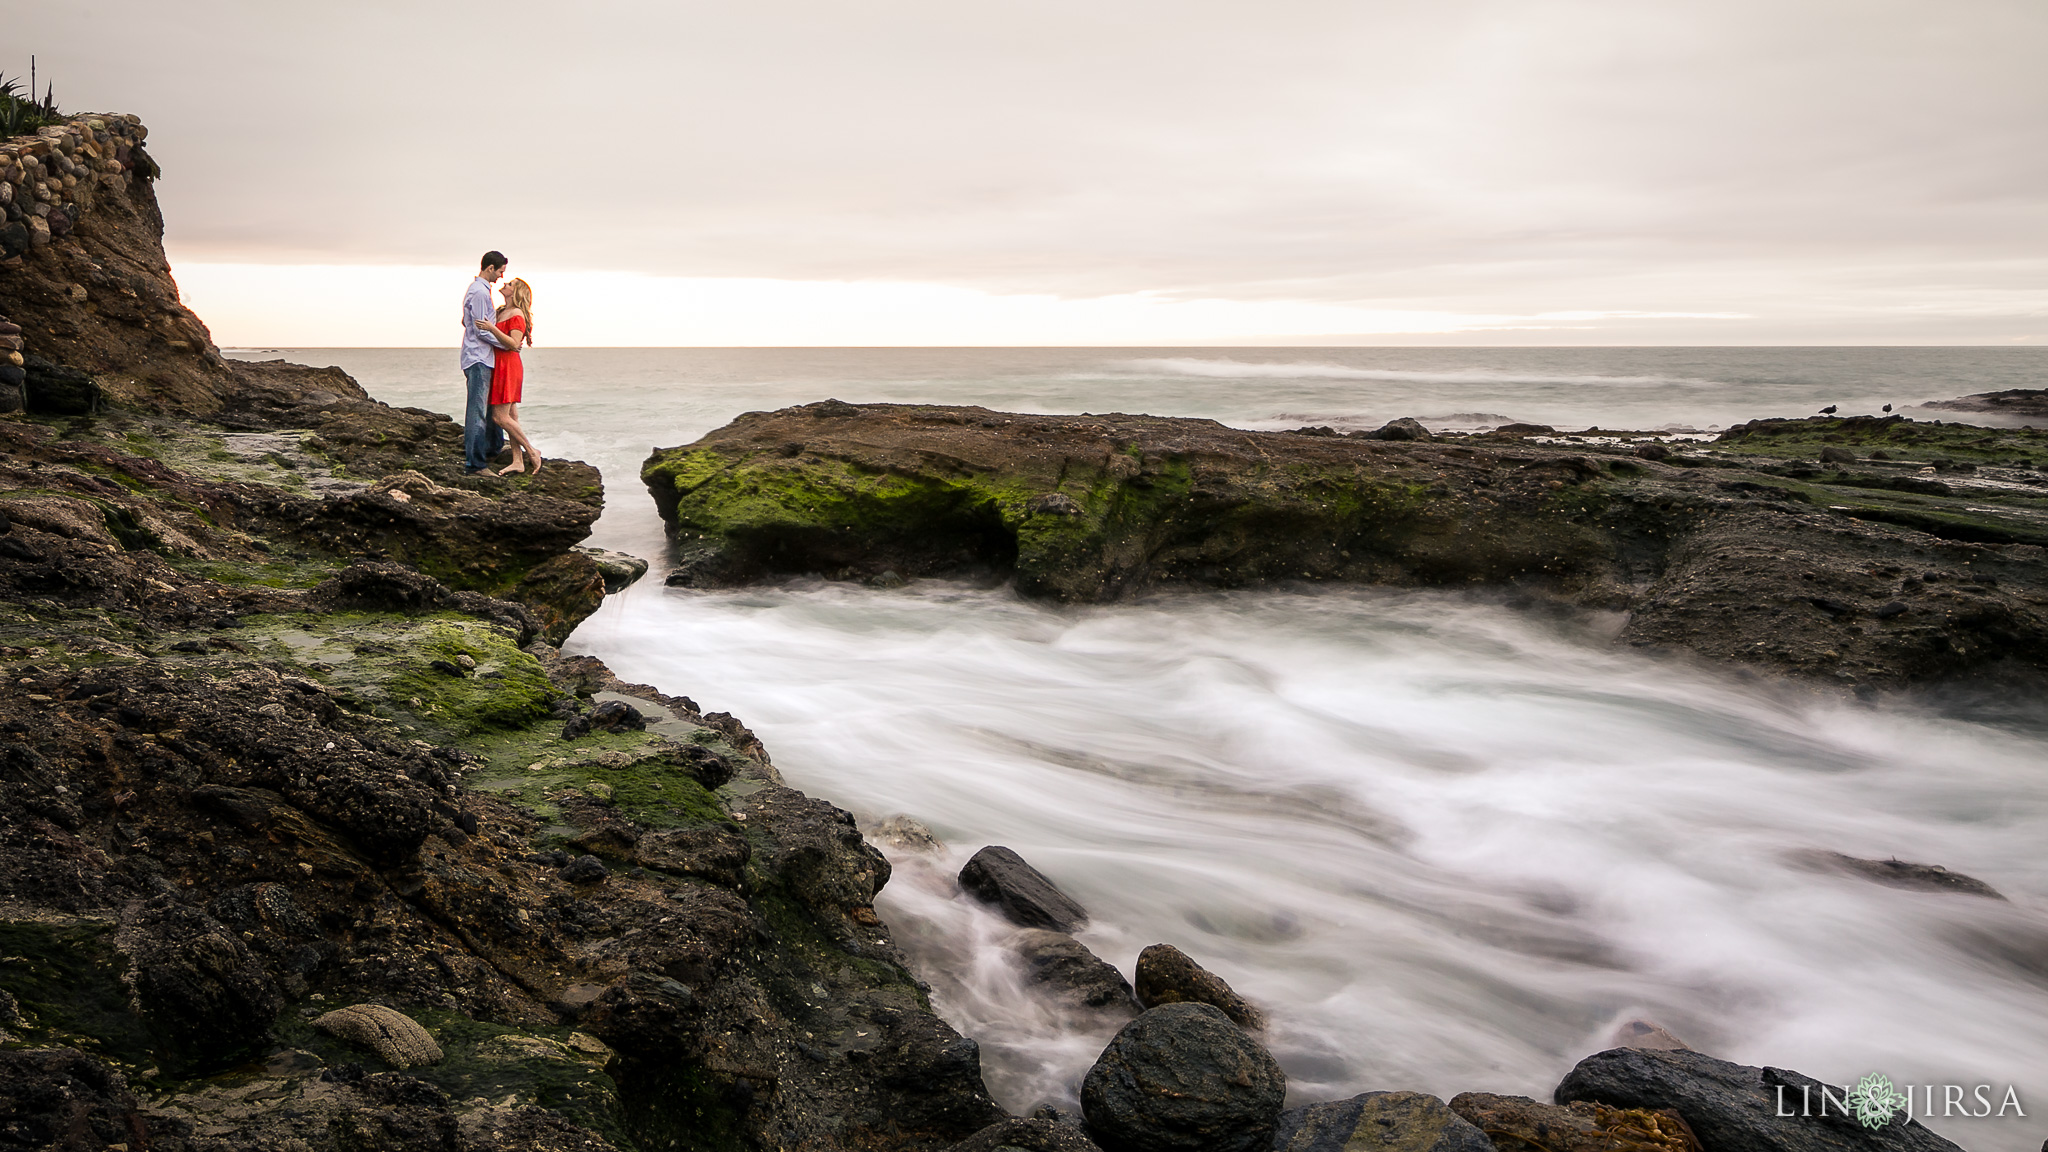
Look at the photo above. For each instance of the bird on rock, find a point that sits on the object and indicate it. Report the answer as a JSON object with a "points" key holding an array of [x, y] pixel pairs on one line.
{"points": [[1887, 407], [1828, 411]]}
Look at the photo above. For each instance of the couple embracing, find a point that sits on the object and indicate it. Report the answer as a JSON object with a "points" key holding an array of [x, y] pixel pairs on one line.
{"points": [[491, 340]]}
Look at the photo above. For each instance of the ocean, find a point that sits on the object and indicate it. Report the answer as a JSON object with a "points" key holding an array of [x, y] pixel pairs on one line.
{"points": [[1447, 845]]}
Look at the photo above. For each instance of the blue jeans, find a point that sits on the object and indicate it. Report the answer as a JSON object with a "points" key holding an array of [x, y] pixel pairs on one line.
{"points": [[481, 439]]}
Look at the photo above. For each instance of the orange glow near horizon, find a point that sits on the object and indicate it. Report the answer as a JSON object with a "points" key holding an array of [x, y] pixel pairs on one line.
{"points": [[335, 306]]}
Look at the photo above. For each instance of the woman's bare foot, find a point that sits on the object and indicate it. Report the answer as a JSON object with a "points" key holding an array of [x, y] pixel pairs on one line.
{"points": [[517, 465], [536, 465]]}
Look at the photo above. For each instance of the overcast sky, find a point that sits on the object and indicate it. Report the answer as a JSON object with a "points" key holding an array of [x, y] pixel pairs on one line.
{"points": [[912, 171]]}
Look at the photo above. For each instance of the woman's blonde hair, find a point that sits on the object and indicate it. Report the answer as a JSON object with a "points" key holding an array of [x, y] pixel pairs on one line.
{"points": [[519, 294]]}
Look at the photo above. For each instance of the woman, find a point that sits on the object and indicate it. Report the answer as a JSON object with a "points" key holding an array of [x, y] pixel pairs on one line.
{"points": [[513, 330]]}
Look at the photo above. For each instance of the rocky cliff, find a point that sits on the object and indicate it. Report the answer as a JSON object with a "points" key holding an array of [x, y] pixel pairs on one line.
{"points": [[1856, 552], [311, 838]]}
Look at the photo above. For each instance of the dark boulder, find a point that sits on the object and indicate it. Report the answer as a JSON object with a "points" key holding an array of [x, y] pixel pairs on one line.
{"points": [[1736, 1108], [1837, 456], [1406, 428], [998, 876], [1072, 973], [609, 716], [583, 870], [1183, 1077], [1392, 1121], [1027, 1136], [1167, 976]]}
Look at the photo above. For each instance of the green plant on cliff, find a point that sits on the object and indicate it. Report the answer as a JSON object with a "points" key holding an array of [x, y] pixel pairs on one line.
{"points": [[21, 113]]}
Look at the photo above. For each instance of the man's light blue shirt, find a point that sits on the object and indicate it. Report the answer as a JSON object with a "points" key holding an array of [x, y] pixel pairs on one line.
{"points": [[476, 305]]}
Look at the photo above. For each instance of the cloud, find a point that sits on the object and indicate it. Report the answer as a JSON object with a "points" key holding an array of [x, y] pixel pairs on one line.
{"points": [[1834, 162]]}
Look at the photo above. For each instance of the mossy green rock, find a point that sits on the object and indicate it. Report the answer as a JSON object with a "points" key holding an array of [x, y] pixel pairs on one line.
{"points": [[1867, 572], [1088, 508]]}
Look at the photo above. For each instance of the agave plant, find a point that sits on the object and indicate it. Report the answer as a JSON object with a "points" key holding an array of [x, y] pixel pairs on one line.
{"points": [[21, 112]]}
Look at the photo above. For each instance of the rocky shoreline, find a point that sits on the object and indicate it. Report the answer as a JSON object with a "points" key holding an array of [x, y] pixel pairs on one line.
{"points": [[315, 840]]}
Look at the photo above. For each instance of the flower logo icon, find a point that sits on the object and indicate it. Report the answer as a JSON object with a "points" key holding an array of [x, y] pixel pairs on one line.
{"points": [[1874, 1100]]}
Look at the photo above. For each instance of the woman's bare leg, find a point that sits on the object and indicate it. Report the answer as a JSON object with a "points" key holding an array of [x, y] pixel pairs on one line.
{"points": [[506, 416]]}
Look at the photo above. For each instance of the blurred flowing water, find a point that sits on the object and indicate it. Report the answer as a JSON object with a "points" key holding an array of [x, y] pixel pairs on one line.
{"points": [[1449, 846]]}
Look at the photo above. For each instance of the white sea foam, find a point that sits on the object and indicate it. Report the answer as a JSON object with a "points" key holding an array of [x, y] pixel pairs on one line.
{"points": [[1450, 847]]}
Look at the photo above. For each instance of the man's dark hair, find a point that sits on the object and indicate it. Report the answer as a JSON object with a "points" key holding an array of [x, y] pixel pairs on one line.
{"points": [[492, 259]]}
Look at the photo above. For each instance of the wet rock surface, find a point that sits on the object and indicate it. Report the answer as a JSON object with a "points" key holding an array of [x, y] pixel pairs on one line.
{"points": [[1733, 1107], [996, 875], [1072, 974], [1859, 572], [2030, 403], [1582, 1126], [1166, 975], [1395, 1121], [1183, 1077]]}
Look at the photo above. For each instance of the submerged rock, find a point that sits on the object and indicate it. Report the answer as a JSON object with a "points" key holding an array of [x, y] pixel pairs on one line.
{"points": [[1736, 1108], [1393, 1121], [1896, 873], [997, 875], [908, 834], [1644, 1034], [1167, 976], [1183, 1078], [1066, 967]]}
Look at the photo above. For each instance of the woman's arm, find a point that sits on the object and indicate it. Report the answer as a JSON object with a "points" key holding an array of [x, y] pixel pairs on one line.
{"points": [[509, 341]]}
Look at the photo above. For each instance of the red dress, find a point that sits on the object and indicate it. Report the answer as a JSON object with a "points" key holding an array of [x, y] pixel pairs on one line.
{"points": [[509, 375]]}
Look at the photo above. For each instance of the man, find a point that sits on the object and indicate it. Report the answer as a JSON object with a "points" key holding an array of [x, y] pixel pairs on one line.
{"points": [[481, 439]]}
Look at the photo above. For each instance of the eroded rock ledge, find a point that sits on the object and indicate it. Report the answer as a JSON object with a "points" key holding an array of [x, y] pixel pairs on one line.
{"points": [[1857, 572]]}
